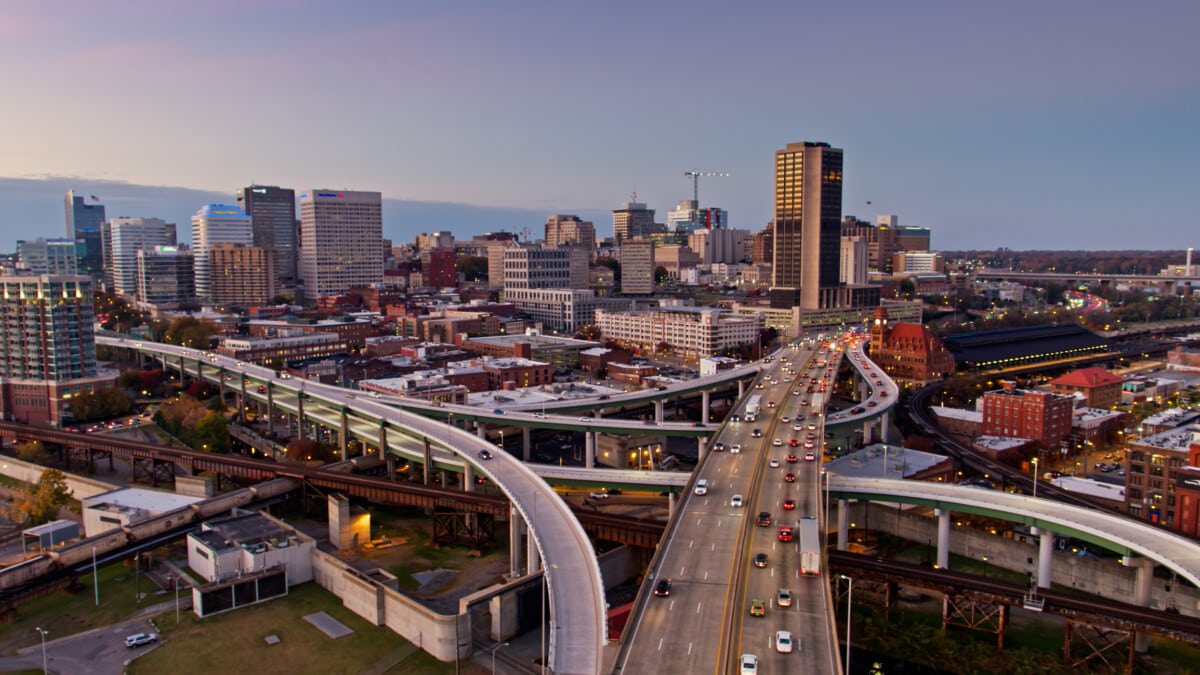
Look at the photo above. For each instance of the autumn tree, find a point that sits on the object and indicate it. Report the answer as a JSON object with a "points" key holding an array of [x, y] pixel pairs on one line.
{"points": [[187, 331], [33, 451], [40, 503], [100, 404]]}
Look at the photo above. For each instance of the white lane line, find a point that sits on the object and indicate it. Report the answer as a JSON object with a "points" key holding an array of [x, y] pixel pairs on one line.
{"points": [[689, 648], [698, 606], [772, 571], [691, 543], [706, 575], [660, 641], [713, 546], [671, 606], [681, 570]]}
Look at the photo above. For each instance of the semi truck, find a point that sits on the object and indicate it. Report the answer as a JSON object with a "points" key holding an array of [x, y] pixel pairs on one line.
{"points": [[752, 408]]}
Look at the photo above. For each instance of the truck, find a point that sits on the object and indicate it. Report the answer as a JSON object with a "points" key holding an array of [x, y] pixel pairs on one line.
{"points": [[753, 404], [810, 546]]}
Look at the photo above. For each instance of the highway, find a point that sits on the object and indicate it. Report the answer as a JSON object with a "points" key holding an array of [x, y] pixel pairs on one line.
{"points": [[575, 589], [708, 555]]}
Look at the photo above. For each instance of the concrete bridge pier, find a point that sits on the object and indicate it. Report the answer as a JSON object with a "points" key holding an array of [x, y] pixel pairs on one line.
{"points": [[242, 401], [704, 407], [1045, 564], [270, 409], [481, 430], [427, 465], [383, 447], [843, 524], [343, 434], [885, 421], [589, 444], [741, 389], [943, 538], [701, 448], [868, 437], [515, 523], [658, 411], [672, 504], [468, 477], [526, 443], [1142, 581], [182, 371], [533, 560]]}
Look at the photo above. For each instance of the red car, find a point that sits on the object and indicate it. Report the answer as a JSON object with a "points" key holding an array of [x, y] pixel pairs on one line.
{"points": [[794, 442], [791, 459], [789, 504], [785, 533], [789, 477]]}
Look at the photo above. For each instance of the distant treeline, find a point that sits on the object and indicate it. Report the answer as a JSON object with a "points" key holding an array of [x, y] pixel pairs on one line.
{"points": [[1070, 262]]}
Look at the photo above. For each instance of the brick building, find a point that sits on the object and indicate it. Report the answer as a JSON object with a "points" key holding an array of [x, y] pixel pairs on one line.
{"points": [[1154, 472], [517, 372], [1100, 388], [1020, 413], [909, 352]]}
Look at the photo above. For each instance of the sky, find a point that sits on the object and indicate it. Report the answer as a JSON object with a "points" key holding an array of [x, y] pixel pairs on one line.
{"points": [[1026, 124]]}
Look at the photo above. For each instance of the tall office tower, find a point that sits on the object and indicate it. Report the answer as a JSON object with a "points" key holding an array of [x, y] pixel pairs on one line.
{"points": [[216, 224], [166, 277], [580, 261], [808, 212], [566, 229], [47, 338], [241, 275], [637, 267], [272, 210], [84, 224], [854, 260], [127, 237], [531, 267], [631, 221], [912, 238], [341, 241], [48, 256]]}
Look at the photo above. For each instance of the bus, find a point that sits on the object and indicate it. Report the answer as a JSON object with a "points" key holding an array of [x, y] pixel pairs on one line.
{"points": [[752, 408], [810, 546]]}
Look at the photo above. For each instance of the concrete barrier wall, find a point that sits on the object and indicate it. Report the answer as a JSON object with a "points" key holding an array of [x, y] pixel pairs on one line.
{"points": [[381, 605], [1105, 577], [81, 487]]}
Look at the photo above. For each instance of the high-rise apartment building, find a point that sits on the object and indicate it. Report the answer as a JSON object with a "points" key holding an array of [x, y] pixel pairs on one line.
{"points": [[567, 229], [216, 224], [241, 275], [495, 258], [272, 211], [637, 267], [85, 222], [48, 345], [527, 267], [808, 211], [127, 236], [48, 256], [166, 277], [341, 241], [632, 220]]}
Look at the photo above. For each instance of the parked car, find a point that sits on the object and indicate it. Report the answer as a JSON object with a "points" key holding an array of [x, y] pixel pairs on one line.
{"points": [[597, 494], [139, 639]]}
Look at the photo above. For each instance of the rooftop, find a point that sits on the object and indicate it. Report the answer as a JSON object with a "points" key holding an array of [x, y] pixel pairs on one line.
{"points": [[133, 499], [1084, 416], [536, 339], [1177, 439], [958, 414], [1000, 443], [1171, 417], [1091, 488], [244, 530], [1087, 378], [884, 461]]}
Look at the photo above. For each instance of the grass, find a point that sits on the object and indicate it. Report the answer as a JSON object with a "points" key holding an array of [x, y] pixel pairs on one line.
{"points": [[63, 613], [188, 647]]}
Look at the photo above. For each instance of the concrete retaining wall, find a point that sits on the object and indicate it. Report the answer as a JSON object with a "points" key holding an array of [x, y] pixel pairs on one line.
{"points": [[81, 487], [1105, 577]]}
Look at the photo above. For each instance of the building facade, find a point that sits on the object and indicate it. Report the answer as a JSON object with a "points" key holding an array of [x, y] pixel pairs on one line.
{"points": [[632, 220], [1100, 388], [287, 346], [1021, 413], [570, 230], [272, 212], [84, 224], [166, 277], [127, 236], [241, 276], [637, 267], [909, 352], [55, 257], [341, 241], [690, 332], [536, 267], [808, 211], [216, 224]]}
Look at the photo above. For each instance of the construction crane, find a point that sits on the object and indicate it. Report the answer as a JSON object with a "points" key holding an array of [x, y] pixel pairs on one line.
{"points": [[695, 176]]}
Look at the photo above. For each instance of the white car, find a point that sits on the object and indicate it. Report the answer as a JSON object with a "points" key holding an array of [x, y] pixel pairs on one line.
{"points": [[598, 495], [783, 642], [774, 464], [701, 487], [736, 501], [139, 639], [777, 442], [749, 663], [735, 448]]}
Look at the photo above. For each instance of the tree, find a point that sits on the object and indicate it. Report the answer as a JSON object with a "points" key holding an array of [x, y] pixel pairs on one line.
{"points": [[100, 404], [211, 433], [188, 331], [614, 265], [661, 275], [40, 503], [473, 268], [33, 451]]}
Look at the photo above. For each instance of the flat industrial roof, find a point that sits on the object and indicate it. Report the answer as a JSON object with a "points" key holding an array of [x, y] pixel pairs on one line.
{"points": [[153, 501], [869, 462]]}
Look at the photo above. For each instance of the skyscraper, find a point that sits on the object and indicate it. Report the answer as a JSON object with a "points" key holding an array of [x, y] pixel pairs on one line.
{"points": [[808, 212], [631, 221], [565, 229], [241, 275], [166, 276], [127, 236], [341, 241], [216, 224], [48, 256], [273, 212], [84, 224]]}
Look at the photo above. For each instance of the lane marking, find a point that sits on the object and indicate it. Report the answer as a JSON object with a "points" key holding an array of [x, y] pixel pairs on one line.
{"points": [[671, 606], [689, 649], [698, 606], [660, 643]]}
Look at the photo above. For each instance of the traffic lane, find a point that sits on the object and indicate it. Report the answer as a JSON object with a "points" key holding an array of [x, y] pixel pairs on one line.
{"points": [[99, 651], [782, 562]]}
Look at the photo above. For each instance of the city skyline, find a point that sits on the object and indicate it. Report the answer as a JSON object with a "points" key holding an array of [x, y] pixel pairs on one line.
{"points": [[994, 126]]}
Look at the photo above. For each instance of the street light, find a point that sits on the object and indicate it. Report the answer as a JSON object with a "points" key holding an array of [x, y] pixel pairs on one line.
{"points": [[849, 595], [494, 650], [44, 633], [1035, 477]]}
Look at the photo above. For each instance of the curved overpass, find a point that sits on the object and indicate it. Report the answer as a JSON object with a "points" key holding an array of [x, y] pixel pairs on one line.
{"points": [[1116, 533], [575, 589], [883, 397]]}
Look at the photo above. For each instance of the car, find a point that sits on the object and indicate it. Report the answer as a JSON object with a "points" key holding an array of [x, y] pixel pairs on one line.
{"points": [[585, 419], [748, 664], [789, 477], [139, 639], [597, 494], [789, 504], [796, 391], [871, 404], [701, 487], [797, 427], [735, 448], [812, 427], [855, 411], [764, 519], [760, 560], [785, 419], [758, 608], [485, 455], [497, 411], [883, 394], [785, 533], [719, 446], [783, 597], [757, 433], [777, 442], [774, 463], [663, 588], [735, 418], [736, 501], [540, 415], [612, 492], [794, 442], [783, 642], [808, 445], [770, 404], [792, 459], [810, 456]]}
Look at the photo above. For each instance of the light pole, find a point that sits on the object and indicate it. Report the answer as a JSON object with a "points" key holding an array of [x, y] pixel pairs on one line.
{"points": [[849, 595], [95, 577], [825, 478], [494, 650], [44, 633], [1035, 477], [137, 568]]}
